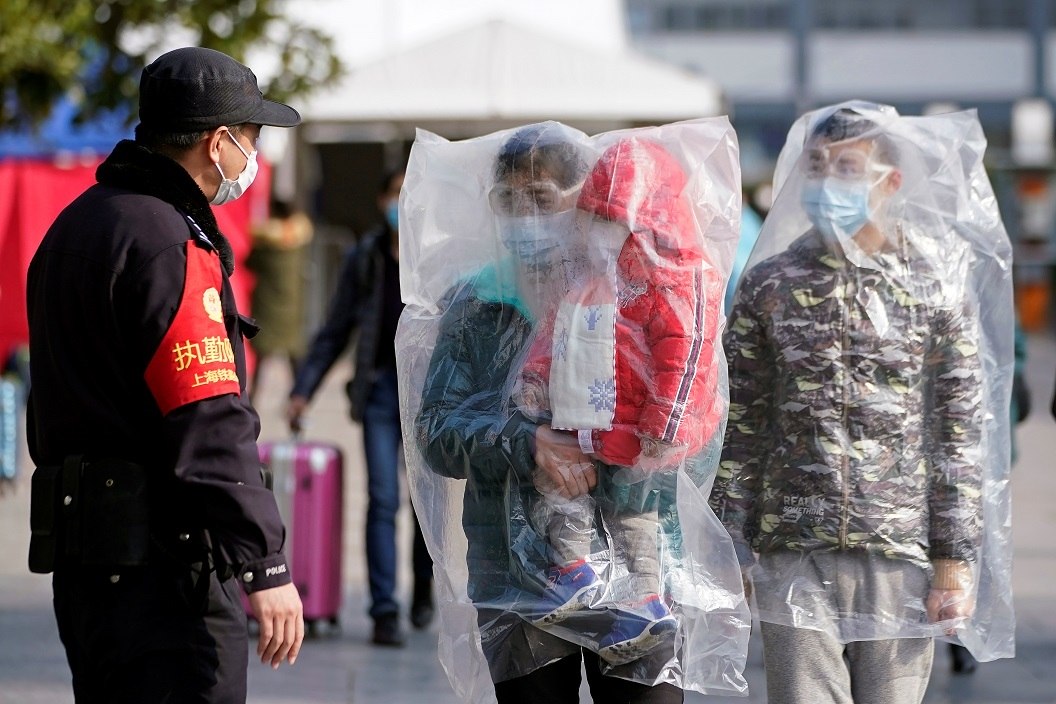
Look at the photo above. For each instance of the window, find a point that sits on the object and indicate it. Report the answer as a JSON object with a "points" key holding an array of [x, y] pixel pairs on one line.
{"points": [[708, 15], [930, 15], [645, 16]]}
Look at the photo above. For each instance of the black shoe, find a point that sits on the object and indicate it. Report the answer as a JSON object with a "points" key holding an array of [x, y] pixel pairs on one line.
{"points": [[962, 661], [422, 609], [422, 614], [387, 631]]}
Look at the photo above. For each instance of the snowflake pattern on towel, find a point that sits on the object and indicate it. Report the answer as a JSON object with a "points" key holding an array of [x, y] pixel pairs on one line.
{"points": [[603, 395]]}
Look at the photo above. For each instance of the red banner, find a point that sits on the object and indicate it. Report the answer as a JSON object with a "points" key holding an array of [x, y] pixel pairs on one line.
{"points": [[32, 194]]}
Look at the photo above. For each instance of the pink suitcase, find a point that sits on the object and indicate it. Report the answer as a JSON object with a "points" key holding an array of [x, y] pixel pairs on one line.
{"points": [[307, 478]]}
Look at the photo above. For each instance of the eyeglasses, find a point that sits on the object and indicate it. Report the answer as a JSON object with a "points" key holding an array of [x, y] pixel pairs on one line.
{"points": [[542, 197], [849, 165]]}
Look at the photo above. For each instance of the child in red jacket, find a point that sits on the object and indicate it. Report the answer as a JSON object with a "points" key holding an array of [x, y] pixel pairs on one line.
{"points": [[627, 364]]}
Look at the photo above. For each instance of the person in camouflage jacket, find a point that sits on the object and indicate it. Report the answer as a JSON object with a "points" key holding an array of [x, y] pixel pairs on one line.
{"points": [[842, 438], [851, 464]]}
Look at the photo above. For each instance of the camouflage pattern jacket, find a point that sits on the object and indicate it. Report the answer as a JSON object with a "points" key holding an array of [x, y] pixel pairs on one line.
{"points": [[855, 408]]}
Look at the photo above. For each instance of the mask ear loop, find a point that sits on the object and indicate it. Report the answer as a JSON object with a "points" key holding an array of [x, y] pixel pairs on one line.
{"points": [[244, 152], [223, 177], [881, 171], [220, 170], [882, 211]]}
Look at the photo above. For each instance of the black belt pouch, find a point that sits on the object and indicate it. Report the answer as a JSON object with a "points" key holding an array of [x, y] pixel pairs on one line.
{"points": [[45, 519], [115, 516]]}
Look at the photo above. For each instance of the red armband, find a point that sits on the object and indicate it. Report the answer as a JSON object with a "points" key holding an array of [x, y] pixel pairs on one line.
{"points": [[195, 359]]}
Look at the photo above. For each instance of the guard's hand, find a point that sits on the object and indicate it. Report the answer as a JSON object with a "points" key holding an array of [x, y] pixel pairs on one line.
{"points": [[950, 605], [281, 618], [295, 413], [562, 468]]}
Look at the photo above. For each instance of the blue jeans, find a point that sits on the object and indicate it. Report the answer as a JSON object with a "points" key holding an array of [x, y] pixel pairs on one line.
{"points": [[382, 440]]}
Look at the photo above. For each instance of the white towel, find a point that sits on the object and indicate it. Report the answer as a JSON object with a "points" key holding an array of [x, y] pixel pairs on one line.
{"points": [[583, 370]]}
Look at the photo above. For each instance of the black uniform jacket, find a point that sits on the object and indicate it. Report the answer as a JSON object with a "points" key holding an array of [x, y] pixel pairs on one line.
{"points": [[137, 354]]}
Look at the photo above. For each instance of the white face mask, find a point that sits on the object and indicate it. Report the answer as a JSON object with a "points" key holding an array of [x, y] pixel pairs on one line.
{"points": [[232, 190]]}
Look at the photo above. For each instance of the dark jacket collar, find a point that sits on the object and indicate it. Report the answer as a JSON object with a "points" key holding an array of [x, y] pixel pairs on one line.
{"points": [[136, 168]]}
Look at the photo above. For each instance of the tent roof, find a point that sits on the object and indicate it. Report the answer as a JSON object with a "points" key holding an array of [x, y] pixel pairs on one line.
{"points": [[501, 71]]}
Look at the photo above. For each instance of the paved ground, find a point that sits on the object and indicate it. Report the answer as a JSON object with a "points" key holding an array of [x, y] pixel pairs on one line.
{"points": [[345, 668]]}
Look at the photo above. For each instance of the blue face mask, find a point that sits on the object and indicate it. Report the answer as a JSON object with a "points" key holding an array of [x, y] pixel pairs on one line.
{"points": [[536, 237], [392, 215], [837, 207]]}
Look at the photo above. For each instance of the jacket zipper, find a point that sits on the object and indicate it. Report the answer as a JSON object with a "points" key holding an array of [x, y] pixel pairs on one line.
{"points": [[850, 292]]}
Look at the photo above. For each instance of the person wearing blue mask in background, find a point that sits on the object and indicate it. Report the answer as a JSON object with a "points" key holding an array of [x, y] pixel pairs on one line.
{"points": [[368, 300]]}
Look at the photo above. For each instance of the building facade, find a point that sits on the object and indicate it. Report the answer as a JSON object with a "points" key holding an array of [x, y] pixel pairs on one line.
{"points": [[779, 58]]}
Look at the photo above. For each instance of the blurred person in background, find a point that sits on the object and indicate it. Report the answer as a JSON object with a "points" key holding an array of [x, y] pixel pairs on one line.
{"points": [[278, 259], [367, 301]]}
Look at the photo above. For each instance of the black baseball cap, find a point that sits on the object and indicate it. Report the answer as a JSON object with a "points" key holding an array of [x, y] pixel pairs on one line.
{"points": [[192, 89]]}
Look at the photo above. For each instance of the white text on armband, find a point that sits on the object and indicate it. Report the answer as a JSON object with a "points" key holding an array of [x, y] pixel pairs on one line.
{"points": [[272, 571]]}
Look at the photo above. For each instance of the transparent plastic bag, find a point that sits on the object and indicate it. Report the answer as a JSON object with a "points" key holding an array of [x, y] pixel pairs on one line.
{"points": [[561, 475], [870, 341]]}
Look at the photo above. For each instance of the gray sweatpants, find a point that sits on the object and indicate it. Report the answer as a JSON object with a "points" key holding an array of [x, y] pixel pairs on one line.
{"points": [[811, 667], [864, 598]]}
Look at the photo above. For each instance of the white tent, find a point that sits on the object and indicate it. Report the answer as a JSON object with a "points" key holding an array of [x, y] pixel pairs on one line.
{"points": [[498, 74], [469, 82]]}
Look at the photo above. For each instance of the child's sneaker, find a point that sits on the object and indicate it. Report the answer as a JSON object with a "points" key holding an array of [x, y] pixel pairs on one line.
{"points": [[637, 631], [568, 589]]}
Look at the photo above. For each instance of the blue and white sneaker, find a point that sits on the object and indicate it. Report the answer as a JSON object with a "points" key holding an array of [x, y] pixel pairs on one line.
{"points": [[568, 589], [637, 630]]}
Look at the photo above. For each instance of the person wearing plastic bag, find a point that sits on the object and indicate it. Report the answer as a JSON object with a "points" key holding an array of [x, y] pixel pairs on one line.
{"points": [[490, 260], [627, 364], [864, 477]]}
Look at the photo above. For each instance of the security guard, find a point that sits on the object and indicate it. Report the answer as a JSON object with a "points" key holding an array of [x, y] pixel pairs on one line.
{"points": [[148, 501]]}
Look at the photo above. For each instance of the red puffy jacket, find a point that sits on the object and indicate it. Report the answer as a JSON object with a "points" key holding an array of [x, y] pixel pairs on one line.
{"points": [[668, 300]]}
